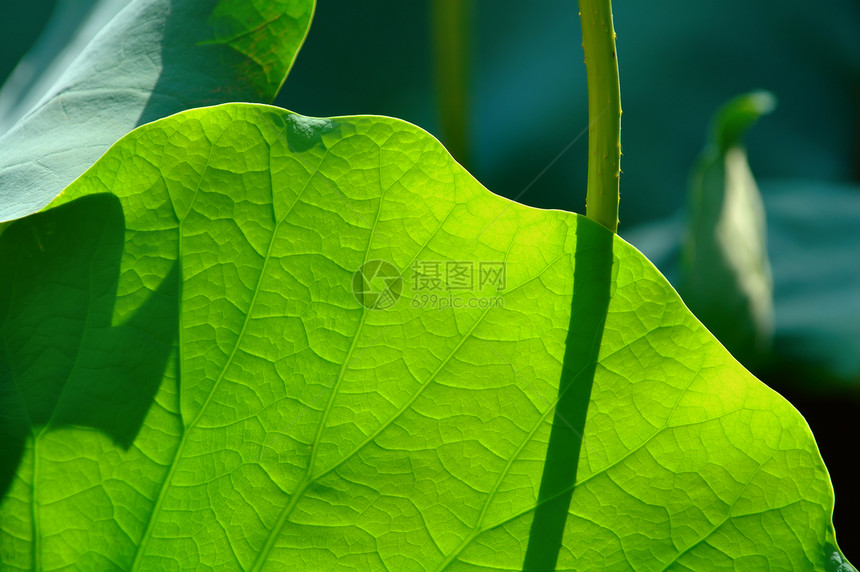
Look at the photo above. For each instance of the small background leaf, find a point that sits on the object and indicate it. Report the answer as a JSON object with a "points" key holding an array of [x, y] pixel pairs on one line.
{"points": [[725, 273]]}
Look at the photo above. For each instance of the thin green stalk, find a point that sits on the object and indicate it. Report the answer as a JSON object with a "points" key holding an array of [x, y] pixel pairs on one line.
{"points": [[604, 112], [451, 47]]}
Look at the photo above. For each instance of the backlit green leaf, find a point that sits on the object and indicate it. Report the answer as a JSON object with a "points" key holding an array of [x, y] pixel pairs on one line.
{"points": [[221, 349]]}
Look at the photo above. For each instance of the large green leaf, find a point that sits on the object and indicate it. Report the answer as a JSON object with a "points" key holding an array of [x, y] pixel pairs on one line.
{"points": [[155, 58], [314, 409]]}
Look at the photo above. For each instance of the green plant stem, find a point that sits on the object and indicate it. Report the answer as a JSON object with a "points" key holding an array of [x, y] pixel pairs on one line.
{"points": [[604, 112], [451, 50]]}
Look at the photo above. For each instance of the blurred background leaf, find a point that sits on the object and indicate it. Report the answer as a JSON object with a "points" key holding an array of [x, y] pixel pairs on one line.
{"points": [[725, 273]]}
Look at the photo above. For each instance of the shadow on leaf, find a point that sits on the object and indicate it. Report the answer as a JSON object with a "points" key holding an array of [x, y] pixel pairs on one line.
{"points": [[591, 291], [67, 358]]}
